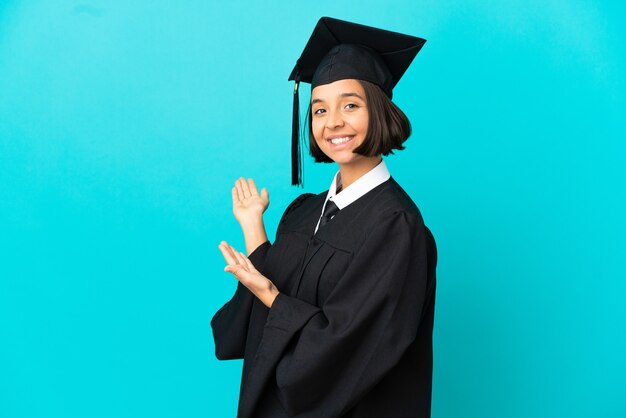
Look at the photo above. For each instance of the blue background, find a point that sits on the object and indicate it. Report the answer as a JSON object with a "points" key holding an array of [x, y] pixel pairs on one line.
{"points": [[123, 126]]}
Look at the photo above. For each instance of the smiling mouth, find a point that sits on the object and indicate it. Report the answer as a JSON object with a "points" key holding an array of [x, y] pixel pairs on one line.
{"points": [[342, 140]]}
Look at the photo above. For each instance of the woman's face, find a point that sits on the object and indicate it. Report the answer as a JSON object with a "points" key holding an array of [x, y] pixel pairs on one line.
{"points": [[339, 119]]}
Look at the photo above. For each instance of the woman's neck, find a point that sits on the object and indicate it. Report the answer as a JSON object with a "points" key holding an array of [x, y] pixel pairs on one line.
{"points": [[352, 172]]}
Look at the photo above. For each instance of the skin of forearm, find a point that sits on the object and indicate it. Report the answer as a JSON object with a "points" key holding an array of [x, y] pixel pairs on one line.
{"points": [[253, 232], [267, 294]]}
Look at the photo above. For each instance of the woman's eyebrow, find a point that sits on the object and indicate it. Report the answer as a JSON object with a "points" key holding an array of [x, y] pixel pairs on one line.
{"points": [[351, 94]]}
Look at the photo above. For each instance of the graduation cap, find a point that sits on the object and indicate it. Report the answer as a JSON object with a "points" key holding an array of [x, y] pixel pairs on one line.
{"points": [[339, 50]]}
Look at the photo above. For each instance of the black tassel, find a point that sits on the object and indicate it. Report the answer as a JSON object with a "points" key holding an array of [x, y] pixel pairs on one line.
{"points": [[296, 165]]}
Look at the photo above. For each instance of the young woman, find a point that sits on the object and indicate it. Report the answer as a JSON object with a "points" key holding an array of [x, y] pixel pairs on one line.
{"points": [[335, 318]]}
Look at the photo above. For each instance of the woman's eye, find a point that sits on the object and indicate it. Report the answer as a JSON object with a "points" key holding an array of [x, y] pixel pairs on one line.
{"points": [[351, 106], [318, 111]]}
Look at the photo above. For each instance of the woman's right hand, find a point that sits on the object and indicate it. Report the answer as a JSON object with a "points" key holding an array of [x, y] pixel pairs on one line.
{"points": [[248, 204]]}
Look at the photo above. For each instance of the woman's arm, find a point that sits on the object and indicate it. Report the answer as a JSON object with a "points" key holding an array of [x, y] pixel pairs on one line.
{"points": [[230, 322], [248, 208]]}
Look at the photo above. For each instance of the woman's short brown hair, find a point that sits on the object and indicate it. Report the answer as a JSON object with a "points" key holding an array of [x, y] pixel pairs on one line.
{"points": [[388, 127]]}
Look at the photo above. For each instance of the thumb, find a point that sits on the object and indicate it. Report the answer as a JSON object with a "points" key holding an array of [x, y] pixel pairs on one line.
{"points": [[236, 270], [265, 194]]}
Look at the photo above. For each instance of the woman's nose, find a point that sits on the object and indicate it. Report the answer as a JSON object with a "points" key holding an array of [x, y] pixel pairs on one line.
{"points": [[334, 120]]}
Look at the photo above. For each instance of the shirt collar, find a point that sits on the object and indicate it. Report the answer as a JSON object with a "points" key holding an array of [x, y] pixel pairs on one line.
{"points": [[362, 185]]}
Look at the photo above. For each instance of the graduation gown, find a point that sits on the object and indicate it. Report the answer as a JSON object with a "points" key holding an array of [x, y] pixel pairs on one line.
{"points": [[350, 333]]}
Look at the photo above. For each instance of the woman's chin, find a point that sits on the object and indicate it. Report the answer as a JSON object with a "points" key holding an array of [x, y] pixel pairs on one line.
{"points": [[343, 157], [345, 161]]}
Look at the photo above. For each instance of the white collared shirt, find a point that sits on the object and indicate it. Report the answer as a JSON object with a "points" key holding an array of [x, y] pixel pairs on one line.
{"points": [[362, 185]]}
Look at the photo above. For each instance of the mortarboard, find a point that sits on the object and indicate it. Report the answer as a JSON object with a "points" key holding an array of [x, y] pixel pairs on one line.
{"points": [[339, 50]]}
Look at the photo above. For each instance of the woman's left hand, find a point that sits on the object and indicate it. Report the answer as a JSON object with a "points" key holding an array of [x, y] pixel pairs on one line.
{"points": [[243, 270]]}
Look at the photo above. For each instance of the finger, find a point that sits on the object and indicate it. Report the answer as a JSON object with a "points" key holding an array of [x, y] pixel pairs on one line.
{"points": [[239, 190], [234, 253], [229, 257], [235, 196], [244, 187], [228, 253], [265, 194], [240, 259], [236, 271], [252, 186], [249, 264]]}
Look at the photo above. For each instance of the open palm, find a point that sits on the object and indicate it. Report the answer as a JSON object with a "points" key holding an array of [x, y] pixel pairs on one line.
{"points": [[242, 268], [247, 202]]}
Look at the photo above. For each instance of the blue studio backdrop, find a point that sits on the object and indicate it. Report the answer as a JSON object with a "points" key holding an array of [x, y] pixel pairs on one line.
{"points": [[124, 124]]}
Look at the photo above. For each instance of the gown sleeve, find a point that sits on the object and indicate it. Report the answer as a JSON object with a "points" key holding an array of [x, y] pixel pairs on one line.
{"points": [[230, 322], [341, 350]]}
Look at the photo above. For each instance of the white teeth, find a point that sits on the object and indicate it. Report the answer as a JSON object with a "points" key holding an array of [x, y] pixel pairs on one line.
{"points": [[340, 140]]}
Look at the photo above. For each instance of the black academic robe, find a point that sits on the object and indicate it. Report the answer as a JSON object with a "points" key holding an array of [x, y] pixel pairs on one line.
{"points": [[350, 333]]}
